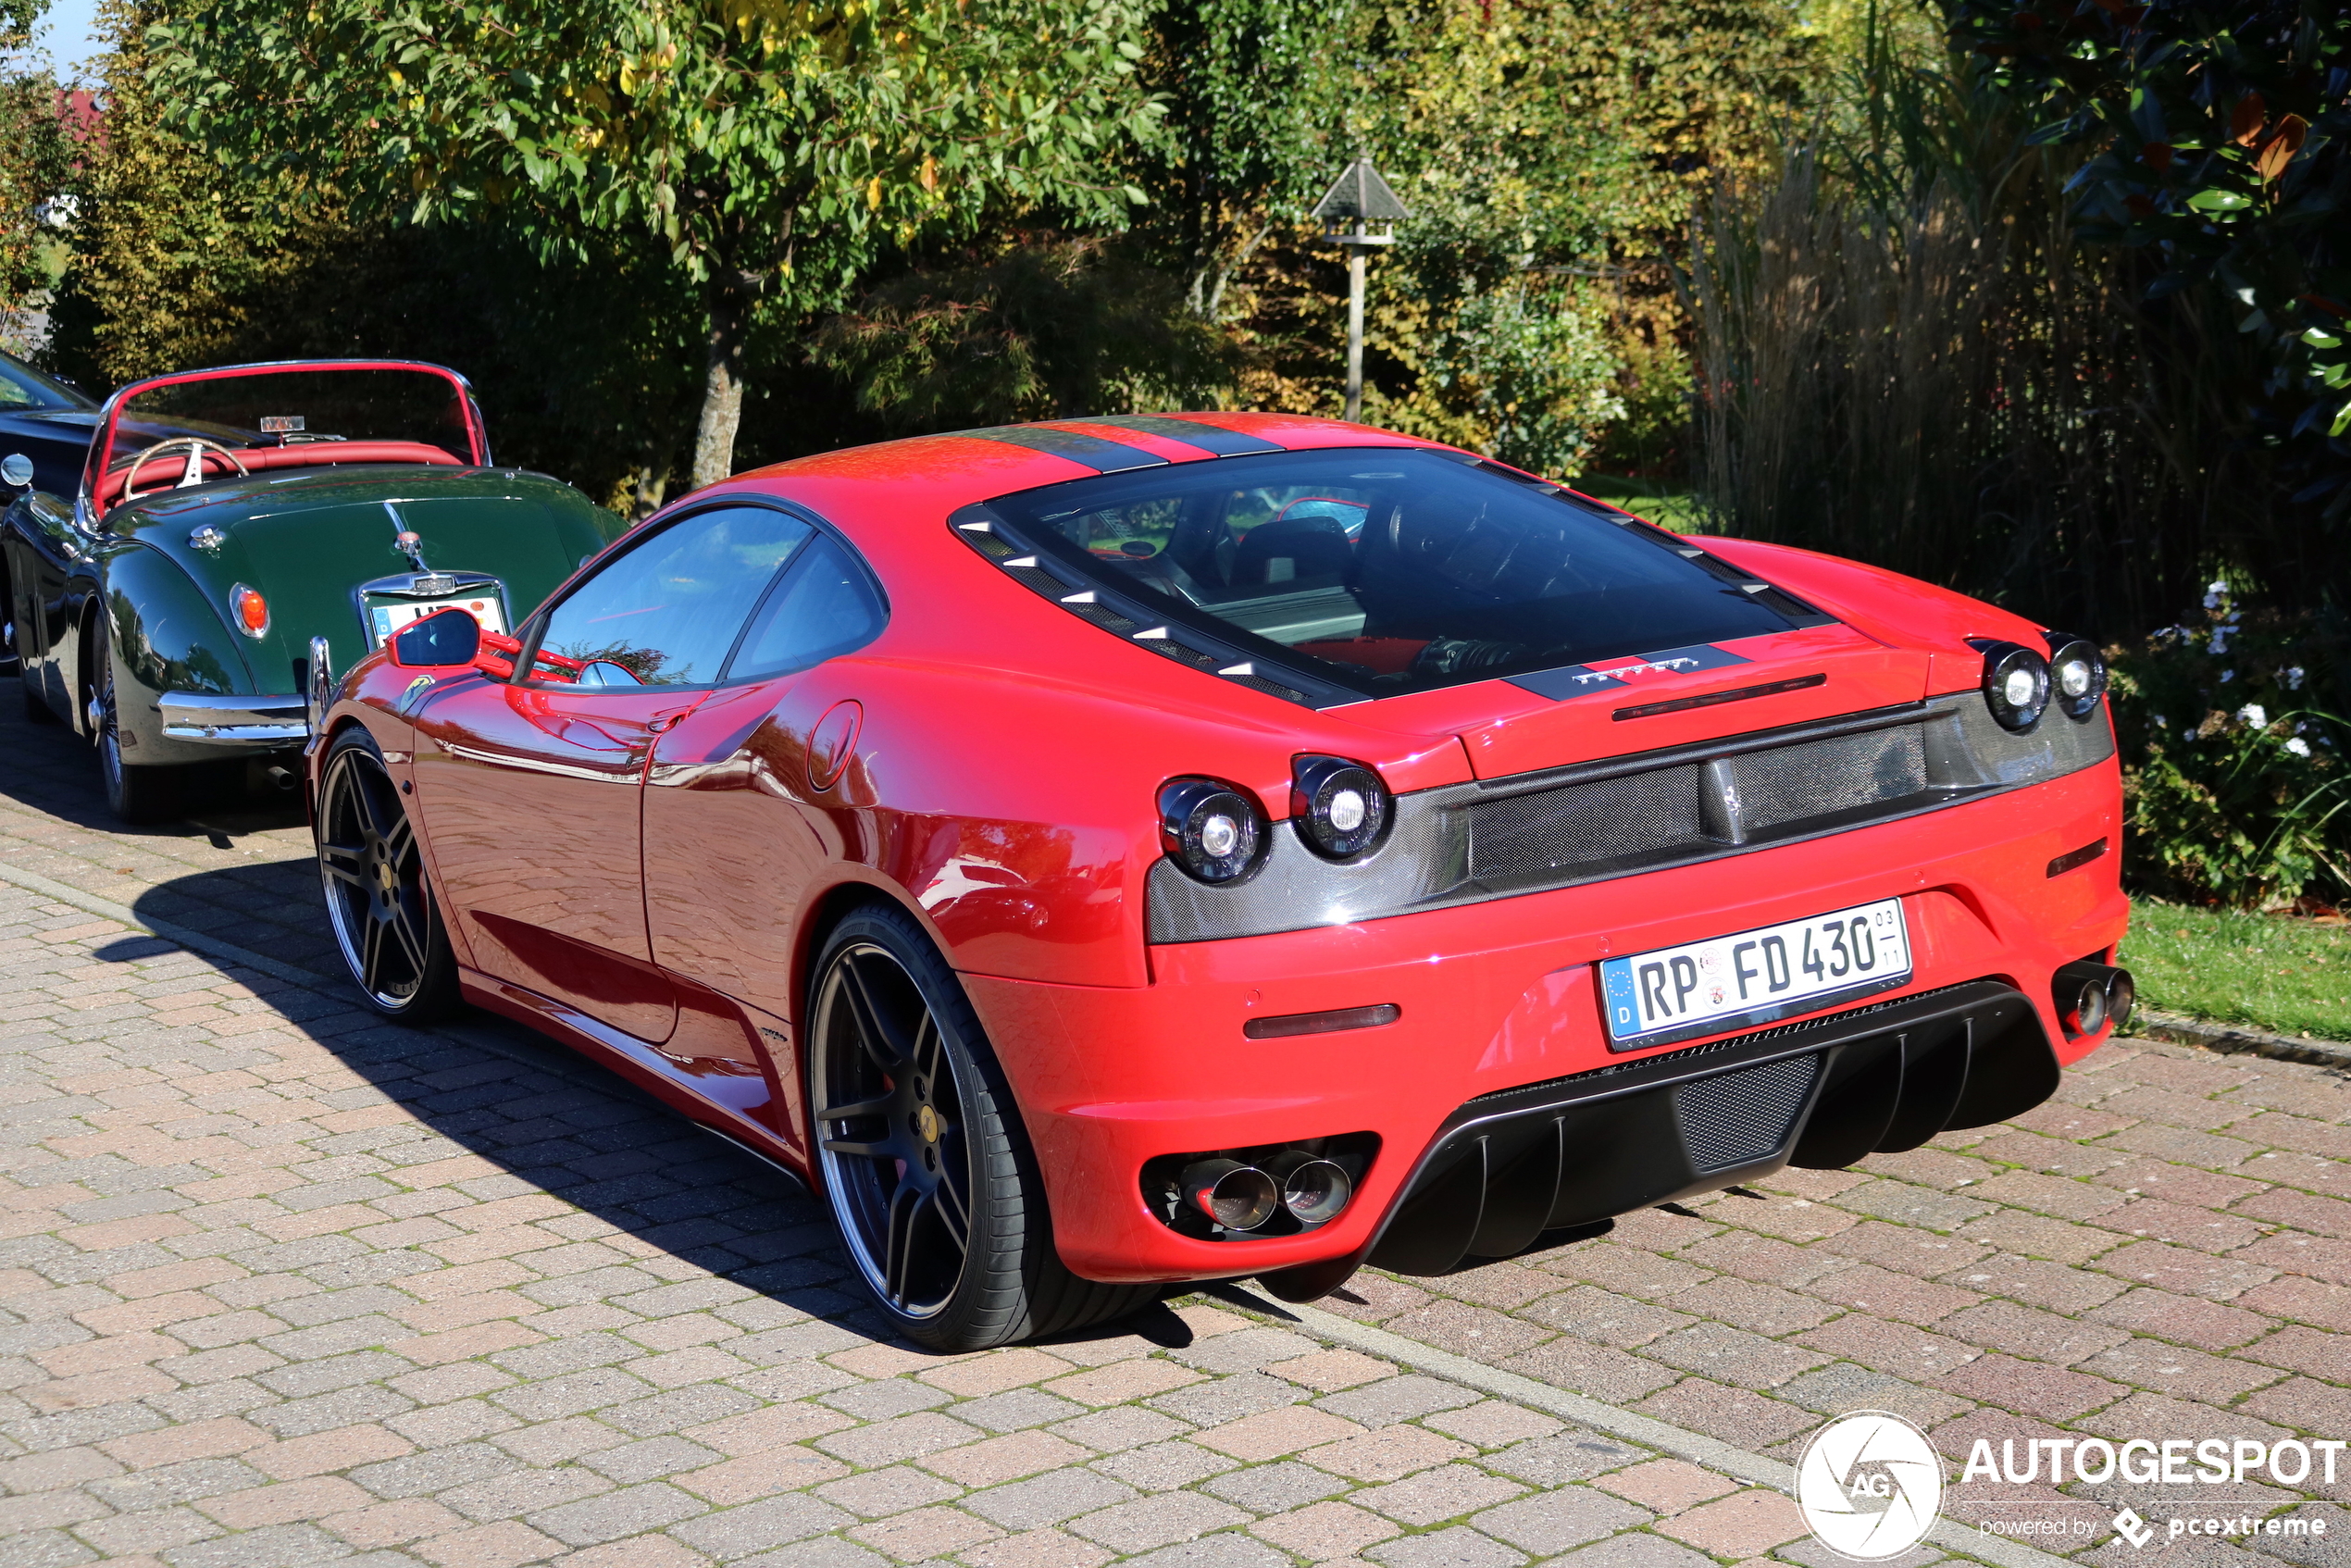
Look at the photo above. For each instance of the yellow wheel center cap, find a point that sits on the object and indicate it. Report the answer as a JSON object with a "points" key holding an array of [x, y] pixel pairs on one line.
{"points": [[926, 1123], [385, 874]]}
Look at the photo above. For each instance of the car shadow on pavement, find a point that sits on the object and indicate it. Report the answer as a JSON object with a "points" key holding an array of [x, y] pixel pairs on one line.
{"points": [[644, 1197]]}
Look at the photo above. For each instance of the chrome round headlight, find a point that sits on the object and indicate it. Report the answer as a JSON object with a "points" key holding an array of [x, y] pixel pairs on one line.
{"points": [[2077, 673], [1341, 807], [2016, 684], [1210, 829]]}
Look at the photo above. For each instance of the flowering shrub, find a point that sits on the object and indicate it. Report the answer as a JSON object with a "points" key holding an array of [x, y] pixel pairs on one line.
{"points": [[2235, 778]]}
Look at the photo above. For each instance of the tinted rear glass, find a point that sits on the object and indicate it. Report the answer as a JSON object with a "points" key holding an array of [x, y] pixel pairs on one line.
{"points": [[1387, 570]]}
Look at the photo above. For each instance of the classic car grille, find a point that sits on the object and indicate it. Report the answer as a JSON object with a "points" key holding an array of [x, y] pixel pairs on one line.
{"points": [[1743, 1115], [1668, 813]]}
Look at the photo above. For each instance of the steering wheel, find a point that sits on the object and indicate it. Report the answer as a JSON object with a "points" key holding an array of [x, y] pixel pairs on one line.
{"points": [[197, 446]]}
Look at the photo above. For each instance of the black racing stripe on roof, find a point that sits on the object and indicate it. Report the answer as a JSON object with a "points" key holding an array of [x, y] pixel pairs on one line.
{"points": [[1192, 432], [1093, 452]]}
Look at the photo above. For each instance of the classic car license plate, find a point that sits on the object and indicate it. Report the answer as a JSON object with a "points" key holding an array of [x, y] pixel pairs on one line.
{"points": [[386, 616], [1725, 983]]}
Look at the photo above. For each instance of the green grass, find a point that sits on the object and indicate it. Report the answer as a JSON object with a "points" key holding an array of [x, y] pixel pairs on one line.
{"points": [[1668, 505], [2288, 975]]}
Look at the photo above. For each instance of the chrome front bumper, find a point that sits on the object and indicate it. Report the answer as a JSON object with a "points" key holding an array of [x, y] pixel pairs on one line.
{"points": [[209, 718]]}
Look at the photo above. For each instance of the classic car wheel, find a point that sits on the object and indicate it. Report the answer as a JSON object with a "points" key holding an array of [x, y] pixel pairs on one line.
{"points": [[378, 898], [137, 794], [922, 1152]]}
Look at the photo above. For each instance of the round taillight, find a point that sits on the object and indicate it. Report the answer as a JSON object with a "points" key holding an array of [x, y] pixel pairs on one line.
{"points": [[2077, 672], [1210, 829], [251, 610], [2016, 684], [1341, 807]]}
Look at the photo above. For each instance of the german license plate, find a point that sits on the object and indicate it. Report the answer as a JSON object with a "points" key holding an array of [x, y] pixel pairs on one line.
{"points": [[387, 617], [1727, 983]]}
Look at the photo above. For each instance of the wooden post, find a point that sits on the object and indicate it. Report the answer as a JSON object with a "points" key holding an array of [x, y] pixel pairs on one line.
{"points": [[1355, 327]]}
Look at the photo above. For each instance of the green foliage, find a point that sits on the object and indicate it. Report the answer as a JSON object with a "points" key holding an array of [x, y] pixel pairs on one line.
{"points": [[1255, 94], [174, 257], [774, 146], [36, 160], [2238, 785], [2214, 131], [1050, 328]]}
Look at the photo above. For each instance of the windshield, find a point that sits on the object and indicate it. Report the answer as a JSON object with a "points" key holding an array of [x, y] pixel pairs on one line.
{"points": [[22, 387], [271, 408], [1388, 569]]}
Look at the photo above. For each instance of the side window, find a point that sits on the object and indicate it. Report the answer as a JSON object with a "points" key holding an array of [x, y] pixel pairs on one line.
{"points": [[824, 607], [668, 609]]}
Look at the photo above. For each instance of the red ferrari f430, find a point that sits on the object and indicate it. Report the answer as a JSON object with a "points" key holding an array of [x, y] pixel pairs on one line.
{"points": [[1108, 852]]}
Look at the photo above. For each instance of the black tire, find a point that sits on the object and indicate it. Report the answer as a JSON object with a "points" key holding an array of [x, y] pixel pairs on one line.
{"points": [[137, 795], [922, 1156], [379, 903]]}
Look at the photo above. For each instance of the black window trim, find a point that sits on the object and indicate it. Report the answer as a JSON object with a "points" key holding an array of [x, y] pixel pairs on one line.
{"points": [[536, 627]]}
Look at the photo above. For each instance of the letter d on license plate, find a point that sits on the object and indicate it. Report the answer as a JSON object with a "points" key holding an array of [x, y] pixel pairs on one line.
{"points": [[1725, 983]]}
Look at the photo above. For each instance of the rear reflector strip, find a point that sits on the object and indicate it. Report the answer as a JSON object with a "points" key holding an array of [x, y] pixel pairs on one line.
{"points": [[1322, 1022], [1191, 432], [1712, 699], [2073, 860], [1092, 452]]}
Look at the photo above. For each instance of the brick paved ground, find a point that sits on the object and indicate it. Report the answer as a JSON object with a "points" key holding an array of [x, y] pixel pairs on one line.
{"points": [[280, 1286]]}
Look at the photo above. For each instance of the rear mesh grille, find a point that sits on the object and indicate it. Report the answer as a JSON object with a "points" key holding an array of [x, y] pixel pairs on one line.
{"points": [[1533, 835], [1671, 812], [1744, 1115], [1829, 776]]}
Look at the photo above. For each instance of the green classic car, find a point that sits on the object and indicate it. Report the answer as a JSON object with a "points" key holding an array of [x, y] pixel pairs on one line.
{"points": [[240, 534]]}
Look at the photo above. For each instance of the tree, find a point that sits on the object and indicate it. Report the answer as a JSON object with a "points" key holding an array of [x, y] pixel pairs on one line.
{"points": [[1257, 94], [36, 160], [773, 146], [2216, 133]]}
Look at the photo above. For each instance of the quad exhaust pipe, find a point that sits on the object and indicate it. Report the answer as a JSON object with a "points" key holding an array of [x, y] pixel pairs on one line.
{"points": [[2090, 995], [1310, 1189]]}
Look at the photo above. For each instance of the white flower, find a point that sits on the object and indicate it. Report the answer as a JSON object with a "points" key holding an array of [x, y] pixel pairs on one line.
{"points": [[2298, 746], [2255, 714], [2219, 585], [2226, 675], [2294, 678], [2163, 723]]}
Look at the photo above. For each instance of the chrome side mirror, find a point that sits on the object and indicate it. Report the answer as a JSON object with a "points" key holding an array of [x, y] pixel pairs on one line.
{"points": [[15, 471]]}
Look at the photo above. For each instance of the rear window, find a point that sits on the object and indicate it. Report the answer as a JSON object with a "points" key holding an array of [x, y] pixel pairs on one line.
{"points": [[1384, 570]]}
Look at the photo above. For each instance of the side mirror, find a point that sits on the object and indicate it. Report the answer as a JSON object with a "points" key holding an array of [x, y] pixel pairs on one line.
{"points": [[445, 640], [15, 471]]}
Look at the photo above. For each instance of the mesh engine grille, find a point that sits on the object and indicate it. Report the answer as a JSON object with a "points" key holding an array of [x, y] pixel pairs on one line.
{"points": [[1529, 835], [1743, 1115], [1658, 815], [1829, 776]]}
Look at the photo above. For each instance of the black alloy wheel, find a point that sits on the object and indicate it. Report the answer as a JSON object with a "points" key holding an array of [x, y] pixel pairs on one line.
{"points": [[136, 794], [921, 1154], [379, 901]]}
